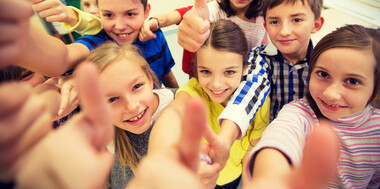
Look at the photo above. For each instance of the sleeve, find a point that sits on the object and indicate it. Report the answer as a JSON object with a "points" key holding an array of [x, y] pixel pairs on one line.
{"points": [[168, 61], [88, 24], [183, 10], [287, 134], [250, 95], [375, 180]]}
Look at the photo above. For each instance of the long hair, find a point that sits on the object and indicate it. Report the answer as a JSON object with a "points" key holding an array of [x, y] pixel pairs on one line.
{"points": [[103, 56], [225, 35], [253, 11], [350, 36]]}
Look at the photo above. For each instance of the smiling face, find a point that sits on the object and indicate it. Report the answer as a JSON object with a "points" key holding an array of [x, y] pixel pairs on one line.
{"points": [[129, 92], [289, 27], [341, 85], [219, 74], [123, 19], [90, 6]]}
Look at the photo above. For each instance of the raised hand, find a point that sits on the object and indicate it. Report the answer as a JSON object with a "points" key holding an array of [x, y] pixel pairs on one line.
{"points": [[76, 150], [318, 166], [180, 162], [14, 28], [55, 11], [24, 121], [195, 27]]}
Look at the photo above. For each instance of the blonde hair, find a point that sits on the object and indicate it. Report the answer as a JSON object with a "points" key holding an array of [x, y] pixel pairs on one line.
{"points": [[105, 55]]}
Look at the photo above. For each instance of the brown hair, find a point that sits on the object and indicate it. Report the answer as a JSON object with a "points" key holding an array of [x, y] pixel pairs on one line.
{"points": [[350, 36], [315, 5], [103, 56], [144, 2], [225, 35], [253, 11]]}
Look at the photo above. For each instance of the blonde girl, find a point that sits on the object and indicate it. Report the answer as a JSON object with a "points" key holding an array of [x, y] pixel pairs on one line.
{"points": [[128, 82]]}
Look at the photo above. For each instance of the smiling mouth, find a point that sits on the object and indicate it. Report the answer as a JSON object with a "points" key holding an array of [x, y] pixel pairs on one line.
{"points": [[123, 35], [138, 117], [333, 105], [219, 92]]}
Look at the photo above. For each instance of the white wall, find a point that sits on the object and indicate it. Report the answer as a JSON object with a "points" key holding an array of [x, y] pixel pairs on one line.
{"points": [[164, 6]]}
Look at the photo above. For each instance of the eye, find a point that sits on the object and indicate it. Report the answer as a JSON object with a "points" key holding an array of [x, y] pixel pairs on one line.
{"points": [[205, 72], [322, 74], [25, 76], [297, 20], [229, 72], [353, 81], [112, 99], [137, 86], [130, 14], [108, 15], [86, 4], [273, 22]]}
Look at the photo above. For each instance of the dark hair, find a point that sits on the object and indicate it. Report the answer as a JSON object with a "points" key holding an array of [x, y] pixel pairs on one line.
{"points": [[315, 5], [350, 36], [225, 35], [253, 11], [144, 2], [11, 73]]}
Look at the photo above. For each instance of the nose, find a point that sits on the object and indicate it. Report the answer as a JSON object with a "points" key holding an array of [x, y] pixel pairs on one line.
{"points": [[285, 29], [216, 82], [332, 92], [121, 23], [130, 104], [94, 9]]}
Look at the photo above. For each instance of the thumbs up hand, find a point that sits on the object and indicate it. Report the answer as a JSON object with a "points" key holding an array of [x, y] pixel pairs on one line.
{"points": [[195, 27]]}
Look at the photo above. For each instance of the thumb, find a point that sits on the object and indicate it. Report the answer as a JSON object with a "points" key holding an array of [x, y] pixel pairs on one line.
{"points": [[201, 8], [194, 124], [93, 104], [320, 158]]}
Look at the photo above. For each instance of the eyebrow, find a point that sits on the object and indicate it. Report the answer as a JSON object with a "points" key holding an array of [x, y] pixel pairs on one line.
{"points": [[129, 83], [293, 15], [231, 67], [129, 10]]}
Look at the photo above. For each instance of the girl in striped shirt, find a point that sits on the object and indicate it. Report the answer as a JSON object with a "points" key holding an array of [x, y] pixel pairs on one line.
{"points": [[344, 80]]}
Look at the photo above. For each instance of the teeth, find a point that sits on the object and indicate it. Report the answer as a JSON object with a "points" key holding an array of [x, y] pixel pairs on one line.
{"points": [[137, 117], [218, 92], [123, 35]]}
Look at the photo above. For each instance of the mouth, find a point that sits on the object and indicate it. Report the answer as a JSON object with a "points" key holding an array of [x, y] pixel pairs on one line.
{"points": [[218, 92], [136, 118], [332, 106], [286, 42], [123, 36]]}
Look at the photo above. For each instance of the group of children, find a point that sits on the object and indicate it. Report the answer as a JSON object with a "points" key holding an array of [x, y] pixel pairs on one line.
{"points": [[261, 111]]}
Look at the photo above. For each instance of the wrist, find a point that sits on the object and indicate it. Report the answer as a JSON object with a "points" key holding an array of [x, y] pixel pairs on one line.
{"points": [[72, 16], [155, 18]]}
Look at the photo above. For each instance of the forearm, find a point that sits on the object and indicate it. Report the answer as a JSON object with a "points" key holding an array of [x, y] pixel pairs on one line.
{"points": [[270, 163], [170, 81], [229, 132], [168, 19], [72, 16], [50, 94], [44, 54]]}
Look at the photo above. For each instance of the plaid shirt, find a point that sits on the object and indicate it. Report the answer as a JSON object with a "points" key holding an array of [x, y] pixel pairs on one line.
{"points": [[288, 81]]}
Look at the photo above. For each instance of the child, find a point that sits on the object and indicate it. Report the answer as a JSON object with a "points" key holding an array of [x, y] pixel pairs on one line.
{"points": [[344, 75], [122, 21], [90, 6], [220, 65], [15, 73], [135, 107], [246, 14]]}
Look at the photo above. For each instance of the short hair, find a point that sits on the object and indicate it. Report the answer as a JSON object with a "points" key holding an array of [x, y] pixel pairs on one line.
{"points": [[315, 5], [144, 2]]}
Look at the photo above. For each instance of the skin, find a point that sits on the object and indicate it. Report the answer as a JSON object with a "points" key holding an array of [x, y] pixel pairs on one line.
{"points": [[341, 85], [222, 79], [289, 27], [131, 98], [123, 19], [90, 6]]}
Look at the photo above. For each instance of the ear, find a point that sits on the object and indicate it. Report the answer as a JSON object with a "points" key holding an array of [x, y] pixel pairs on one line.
{"points": [[151, 82], [318, 23], [265, 26], [147, 11], [244, 68]]}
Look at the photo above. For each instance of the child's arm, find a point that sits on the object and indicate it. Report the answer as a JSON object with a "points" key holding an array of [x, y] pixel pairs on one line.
{"points": [[158, 21], [169, 80], [72, 18], [249, 97]]}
